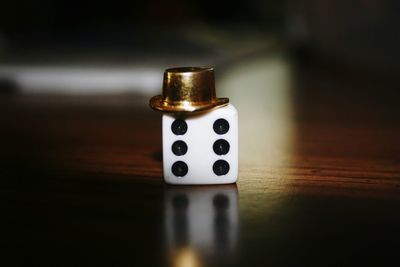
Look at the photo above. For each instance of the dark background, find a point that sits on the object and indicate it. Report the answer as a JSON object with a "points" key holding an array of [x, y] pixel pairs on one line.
{"points": [[316, 86], [359, 33]]}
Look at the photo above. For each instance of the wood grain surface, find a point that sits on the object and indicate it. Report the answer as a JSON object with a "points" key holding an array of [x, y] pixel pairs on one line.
{"points": [[81, 179]]}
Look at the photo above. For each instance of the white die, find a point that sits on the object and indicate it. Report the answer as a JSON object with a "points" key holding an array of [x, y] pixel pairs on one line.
{"points": [[199, 163]]}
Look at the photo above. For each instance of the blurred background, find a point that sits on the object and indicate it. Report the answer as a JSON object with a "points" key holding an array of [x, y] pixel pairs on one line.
{"points": [[315, 83], [79, 47]]}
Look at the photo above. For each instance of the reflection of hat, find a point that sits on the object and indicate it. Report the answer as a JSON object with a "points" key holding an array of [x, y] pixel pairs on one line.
{"points": [[187, 89]]}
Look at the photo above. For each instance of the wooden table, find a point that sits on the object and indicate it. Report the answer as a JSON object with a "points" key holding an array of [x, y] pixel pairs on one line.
{"points": [[81, 179]]}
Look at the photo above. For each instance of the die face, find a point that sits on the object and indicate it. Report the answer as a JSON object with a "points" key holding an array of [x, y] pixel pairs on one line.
{"points": [[201, 149]]}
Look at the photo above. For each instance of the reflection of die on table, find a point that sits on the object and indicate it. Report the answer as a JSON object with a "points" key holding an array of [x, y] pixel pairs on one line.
{"points": [[203, 218], [200, 131]]}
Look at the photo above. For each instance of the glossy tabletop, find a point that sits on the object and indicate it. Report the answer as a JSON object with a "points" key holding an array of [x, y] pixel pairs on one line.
{"points": [[319, 183]]}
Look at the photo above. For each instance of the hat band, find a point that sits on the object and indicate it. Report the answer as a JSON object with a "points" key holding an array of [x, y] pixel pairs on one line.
{"points": [[188, 103]]}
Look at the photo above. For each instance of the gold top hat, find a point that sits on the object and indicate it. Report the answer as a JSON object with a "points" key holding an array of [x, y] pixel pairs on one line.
{"points": [[186, 90]]}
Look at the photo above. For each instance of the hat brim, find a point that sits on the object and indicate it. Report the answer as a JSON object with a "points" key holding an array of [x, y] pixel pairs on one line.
{"points": [[159, 104]]}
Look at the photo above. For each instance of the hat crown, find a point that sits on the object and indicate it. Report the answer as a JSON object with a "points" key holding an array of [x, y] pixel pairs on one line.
{"points": [[190, 85], [188, 90]]}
